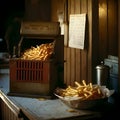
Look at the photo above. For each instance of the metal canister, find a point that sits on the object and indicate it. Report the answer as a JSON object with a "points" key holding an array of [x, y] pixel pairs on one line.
{"points": [[102, 74]]}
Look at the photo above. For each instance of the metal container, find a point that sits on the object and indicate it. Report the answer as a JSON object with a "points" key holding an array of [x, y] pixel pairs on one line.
{"points": [[102, 74]]}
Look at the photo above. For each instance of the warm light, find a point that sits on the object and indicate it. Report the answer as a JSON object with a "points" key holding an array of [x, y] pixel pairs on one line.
{"points": [[102, 9], [61, 20]]}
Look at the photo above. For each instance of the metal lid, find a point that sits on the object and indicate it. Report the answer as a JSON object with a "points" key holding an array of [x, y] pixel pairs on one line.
{"points": [[102, 66]]}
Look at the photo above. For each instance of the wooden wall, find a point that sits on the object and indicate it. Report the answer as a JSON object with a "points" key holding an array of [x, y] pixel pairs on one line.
{"points": [[80, 64], [108, 27], [108, 30], [101, 33], [101, 36], [37, 10]]}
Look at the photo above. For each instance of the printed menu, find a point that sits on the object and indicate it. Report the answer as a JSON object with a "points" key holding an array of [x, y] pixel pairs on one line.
{"points": [[77, 30]]}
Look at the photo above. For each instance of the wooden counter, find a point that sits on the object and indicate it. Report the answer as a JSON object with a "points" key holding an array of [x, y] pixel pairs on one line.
{"points": [[40, 109]]}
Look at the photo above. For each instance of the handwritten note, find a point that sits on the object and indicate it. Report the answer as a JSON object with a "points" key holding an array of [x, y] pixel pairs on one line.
{"points": [[77, 30]]}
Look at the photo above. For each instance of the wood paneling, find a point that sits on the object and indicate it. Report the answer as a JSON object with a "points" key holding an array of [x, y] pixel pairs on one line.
{"points": [[78, 65], [102, 32], [108, 36], [38, 10], [112, 27], [6, 113], [100, 39]]}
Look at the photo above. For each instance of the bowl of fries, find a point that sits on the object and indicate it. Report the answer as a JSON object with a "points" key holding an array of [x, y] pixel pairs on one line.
{"points": [[84, 96]]}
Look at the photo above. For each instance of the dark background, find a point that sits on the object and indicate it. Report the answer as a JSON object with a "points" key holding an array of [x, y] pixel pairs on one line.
{"points": [[8, 10]]}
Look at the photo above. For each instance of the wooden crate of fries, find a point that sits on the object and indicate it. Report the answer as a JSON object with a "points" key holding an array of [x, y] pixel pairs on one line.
{"points": [[34, 73]]}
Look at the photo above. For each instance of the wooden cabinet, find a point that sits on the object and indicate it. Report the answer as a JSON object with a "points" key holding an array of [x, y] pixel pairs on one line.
{"points": [[8, 111]]}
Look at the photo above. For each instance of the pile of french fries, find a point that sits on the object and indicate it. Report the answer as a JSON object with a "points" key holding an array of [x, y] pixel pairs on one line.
{"points": [[83, 91], [42, 52]]}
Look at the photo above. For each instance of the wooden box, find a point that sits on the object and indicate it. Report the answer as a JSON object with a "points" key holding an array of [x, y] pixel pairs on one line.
{"points": [[32, 78]]}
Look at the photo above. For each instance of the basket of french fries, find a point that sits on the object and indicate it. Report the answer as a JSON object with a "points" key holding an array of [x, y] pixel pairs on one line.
{"points": [[41, 52], [32, 64], [83, 96], [34, 72]]}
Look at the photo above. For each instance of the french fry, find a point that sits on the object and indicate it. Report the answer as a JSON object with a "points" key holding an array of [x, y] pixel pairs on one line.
{"points": [[42, 52], [91, 85], [84, 83], [78, 85], [85, 91]]}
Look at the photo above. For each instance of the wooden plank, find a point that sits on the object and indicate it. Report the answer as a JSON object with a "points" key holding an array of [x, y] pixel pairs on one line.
{"points": [[54, 7], [112, 28], [73, 66], [95, 38], [65, 65], [103, 32], [78, 64], [89, 60], [77, 51], [84, 52], [66, 23], [68, 65], [67, 53], [72, 50]]}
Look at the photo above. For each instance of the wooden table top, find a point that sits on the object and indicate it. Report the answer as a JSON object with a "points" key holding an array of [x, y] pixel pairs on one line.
{"points": [[43, 109]]}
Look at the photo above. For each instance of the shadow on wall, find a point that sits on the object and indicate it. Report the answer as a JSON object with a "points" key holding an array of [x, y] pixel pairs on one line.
{"points": [[12, 35]]}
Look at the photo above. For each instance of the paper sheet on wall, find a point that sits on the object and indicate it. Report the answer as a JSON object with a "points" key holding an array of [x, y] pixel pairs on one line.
{"points": [[77, 30]]}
